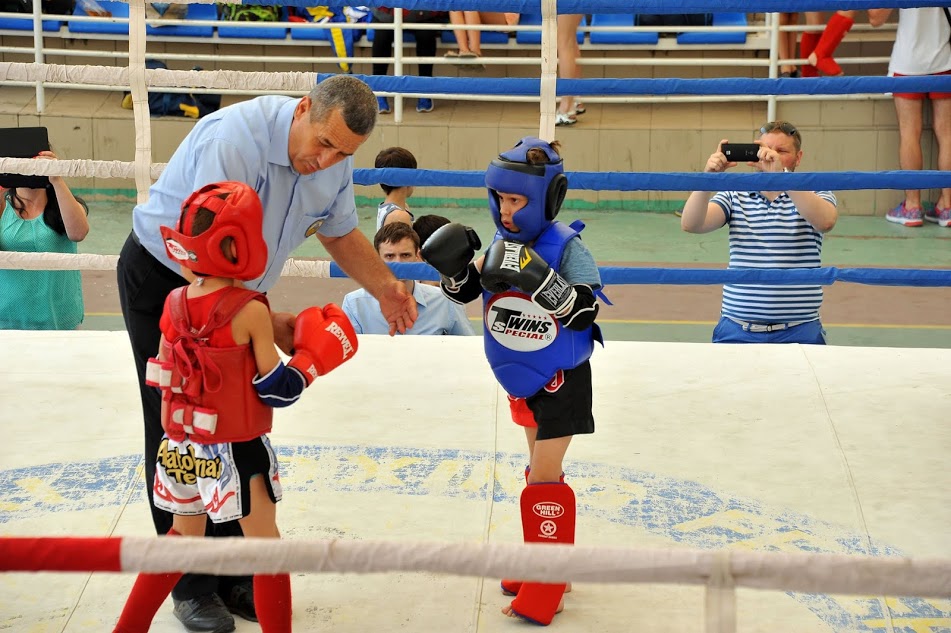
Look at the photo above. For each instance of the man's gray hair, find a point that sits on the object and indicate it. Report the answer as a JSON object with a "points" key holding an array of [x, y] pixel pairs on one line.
{"points": [[351, 96]]}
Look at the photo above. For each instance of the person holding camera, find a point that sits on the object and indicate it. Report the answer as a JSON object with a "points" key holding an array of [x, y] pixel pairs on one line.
{"points": [[46, 219], [768, 229]]}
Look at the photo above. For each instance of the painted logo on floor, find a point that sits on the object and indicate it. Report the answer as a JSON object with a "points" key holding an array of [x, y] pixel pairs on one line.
{"points": [[684, 511]]}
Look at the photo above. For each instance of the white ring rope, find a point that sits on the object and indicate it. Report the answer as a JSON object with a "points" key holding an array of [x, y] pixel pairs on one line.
{"points": [[120, 77], [75, 168], [722, 569], [14, 260]]}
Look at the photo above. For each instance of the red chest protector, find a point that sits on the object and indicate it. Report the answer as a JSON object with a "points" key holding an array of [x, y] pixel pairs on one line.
{"points": [[207, 390]]}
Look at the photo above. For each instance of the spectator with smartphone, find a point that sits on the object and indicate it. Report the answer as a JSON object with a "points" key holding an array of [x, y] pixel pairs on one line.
{"points": [[36, 220], [768, 229]]}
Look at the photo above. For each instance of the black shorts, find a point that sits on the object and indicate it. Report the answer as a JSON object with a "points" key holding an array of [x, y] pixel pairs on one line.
{"points": [[564, 409]]}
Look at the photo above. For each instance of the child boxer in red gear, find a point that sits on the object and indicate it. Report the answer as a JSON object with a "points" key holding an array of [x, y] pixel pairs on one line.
{"points": [[539, 285], [220, 377]]}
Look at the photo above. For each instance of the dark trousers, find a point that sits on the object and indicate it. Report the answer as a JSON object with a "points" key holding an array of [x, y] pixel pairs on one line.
{"points": [[144, 282], [425, 47]]}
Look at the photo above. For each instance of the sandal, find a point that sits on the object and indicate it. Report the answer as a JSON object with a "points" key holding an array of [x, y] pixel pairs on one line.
{"points": [[579, 108], [562, 119], [471, 61]]}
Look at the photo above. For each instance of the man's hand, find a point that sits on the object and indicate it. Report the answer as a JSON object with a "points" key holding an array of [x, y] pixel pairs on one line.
{"points": [[283, 323], [398, 307], [769, 160], [717, 161]]}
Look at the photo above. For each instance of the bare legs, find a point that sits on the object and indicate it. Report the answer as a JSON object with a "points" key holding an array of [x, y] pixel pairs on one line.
{"points": [[787, 42], [568, 68], [941, 113], [470, 42]]}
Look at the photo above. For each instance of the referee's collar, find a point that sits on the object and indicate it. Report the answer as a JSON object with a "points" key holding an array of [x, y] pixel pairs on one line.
{"points": [[282, 131]]}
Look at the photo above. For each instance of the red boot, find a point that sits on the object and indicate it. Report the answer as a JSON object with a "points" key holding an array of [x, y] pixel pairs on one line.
{"points": [[806, 47], [832, 36]]}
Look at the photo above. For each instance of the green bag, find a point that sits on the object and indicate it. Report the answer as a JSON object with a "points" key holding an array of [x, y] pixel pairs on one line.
{"points": [[249, 13]]}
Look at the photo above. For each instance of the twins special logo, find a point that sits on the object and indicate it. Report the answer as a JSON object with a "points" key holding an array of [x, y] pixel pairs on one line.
{"points": [[518, 324]]}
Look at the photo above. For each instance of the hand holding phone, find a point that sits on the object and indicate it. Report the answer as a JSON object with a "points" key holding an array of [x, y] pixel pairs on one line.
{"points": [[741, 152]]}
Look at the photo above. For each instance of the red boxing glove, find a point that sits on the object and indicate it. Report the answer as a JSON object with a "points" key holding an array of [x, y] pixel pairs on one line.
{"points": [[323, 340]]}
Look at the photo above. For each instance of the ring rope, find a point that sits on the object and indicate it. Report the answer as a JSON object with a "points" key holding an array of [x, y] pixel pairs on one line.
{"points": [[593, 181], [610, 275], [784, 571], [500, 86]]}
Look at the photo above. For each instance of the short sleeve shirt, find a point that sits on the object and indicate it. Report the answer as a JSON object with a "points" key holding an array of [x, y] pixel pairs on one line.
{"points": [[248, 142]]}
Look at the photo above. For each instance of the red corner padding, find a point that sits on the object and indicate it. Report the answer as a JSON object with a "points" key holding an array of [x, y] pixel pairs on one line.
{"points": [[60, 554], [548, 516]]}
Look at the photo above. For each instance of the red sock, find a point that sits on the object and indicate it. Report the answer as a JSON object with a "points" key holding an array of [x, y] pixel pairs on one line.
{"points": [[832, 36], [272, 602], [806, 46], [148, 594]]}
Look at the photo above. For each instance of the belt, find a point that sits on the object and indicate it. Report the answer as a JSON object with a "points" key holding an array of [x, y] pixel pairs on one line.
{"points": [[766, 327]]}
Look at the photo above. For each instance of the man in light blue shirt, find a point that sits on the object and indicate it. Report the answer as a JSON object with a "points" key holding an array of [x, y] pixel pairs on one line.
{"points": [[297, 155], [399, 243]]}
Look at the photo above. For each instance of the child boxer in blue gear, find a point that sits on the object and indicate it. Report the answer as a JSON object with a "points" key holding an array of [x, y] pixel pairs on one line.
{"points": [[540, 288]]}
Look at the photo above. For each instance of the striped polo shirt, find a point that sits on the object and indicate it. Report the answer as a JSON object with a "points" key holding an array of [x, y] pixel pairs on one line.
{"points": [[770, 235]]}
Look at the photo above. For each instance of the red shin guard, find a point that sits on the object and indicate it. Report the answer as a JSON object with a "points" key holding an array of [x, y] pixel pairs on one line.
{"points": [[806, 47], [511, 587], [548, 516], [272, 602], [832, 36], [148, 594]]}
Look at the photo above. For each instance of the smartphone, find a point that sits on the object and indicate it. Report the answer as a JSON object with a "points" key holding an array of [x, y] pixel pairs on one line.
{"points": [[741, 152], [23, 142]]}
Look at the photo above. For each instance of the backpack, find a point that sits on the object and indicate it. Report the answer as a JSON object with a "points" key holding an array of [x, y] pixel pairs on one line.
{"points": [[249, 13], [176, 103]]}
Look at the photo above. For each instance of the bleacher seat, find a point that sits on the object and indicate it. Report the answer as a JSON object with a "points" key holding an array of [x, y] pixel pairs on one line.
{"points": [[408, 38], [26, 24], [194, 12], [234, 29], [301, 33], [103, 25], [535, 37], [719, 19], [617, 37]]}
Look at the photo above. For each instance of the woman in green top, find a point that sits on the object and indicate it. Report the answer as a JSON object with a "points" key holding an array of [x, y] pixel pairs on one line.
{"points": [[50, 219]]}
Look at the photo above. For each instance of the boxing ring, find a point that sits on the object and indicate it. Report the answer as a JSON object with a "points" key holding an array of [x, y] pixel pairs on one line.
{"points": [[728, 488]]}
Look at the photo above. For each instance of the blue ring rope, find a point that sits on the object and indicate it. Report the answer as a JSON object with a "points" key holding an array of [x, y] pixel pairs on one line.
{"points": [[674, 181], [503, 86], [614, 275], [640, 6]]}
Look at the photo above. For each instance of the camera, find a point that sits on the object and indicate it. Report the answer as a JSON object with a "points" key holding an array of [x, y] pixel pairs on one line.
{"points": [[741, 152], [23, 142]]}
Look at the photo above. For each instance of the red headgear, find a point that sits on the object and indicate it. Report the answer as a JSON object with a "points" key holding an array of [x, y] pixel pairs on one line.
{"points": [[238, 215]]}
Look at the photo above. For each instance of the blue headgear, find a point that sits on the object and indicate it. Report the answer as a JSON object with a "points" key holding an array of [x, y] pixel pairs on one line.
{"points": [[545, 186]]}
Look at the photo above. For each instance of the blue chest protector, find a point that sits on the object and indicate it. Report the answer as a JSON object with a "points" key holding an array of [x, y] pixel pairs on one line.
{"points": [[526, 346]]}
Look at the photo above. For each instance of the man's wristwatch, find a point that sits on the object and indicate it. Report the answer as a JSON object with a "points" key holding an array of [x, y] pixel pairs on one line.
{"points": [[786, 170]]}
